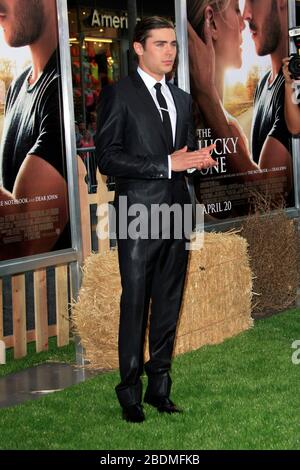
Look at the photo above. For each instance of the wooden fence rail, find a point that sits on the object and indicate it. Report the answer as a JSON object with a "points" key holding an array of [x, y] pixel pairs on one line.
{"points": [[42, 332]]}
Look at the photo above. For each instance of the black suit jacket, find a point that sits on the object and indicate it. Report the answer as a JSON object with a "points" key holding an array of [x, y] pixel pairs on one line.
{"points": [[131, 144]]}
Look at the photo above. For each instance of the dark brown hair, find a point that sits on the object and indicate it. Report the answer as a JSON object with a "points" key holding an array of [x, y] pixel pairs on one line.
{"points": [[143, 28]]}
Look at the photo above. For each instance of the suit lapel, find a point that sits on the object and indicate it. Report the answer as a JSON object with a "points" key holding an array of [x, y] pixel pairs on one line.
{"points": [[147, 99]]}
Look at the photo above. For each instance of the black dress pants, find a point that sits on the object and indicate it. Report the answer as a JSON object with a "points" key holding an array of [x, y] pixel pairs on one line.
{"points": [[150, 269]]}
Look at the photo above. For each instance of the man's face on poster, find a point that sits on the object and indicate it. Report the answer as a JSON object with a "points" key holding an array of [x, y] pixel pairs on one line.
{"points": [[22, 21], [264, 24]]}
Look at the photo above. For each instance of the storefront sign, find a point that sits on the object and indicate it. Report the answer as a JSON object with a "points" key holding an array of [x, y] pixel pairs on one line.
{"points": [[110, 21]]}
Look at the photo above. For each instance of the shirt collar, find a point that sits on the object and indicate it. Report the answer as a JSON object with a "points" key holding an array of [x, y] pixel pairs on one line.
{"points": [[149, 80]]}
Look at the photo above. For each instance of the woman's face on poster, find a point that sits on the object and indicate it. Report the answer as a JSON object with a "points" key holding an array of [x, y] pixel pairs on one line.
{"points": [[229, 26]]}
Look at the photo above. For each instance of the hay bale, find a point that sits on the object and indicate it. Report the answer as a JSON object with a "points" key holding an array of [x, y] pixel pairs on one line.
{"points": [[217, 296], [216, 303], [95, 315], [274, 259]]}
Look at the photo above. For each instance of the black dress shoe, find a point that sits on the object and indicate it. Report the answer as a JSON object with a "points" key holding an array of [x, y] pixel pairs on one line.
{"points": [[163, 404], [133, 413]]}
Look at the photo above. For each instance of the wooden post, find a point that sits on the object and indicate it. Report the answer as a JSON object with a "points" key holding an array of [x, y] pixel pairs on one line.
{"points": [[19, 315], [62, 311], [104, 198], [84, 210], [2, 352], [1, 312], [2, 344], [41, 310]]}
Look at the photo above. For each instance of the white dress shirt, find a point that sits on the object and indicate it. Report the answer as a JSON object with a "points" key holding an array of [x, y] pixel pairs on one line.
{"points": [[150, 82]]}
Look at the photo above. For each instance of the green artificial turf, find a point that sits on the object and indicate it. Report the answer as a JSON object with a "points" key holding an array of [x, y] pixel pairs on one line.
{"points": [[241, 394]]}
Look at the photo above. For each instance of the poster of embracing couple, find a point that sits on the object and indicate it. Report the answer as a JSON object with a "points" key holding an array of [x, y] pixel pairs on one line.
{"points": [[238, 74]]}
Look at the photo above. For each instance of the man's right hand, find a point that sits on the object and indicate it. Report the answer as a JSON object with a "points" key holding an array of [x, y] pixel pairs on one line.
{"points": [[183, 160]]}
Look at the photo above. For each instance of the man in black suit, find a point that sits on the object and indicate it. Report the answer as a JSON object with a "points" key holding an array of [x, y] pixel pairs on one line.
{"points": [[144, 130]]}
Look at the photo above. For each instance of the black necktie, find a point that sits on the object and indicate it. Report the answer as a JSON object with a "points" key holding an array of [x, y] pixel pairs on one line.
{"points": [[166, 117]]}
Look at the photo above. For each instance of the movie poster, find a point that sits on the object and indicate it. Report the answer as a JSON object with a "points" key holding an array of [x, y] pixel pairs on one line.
{"points": [[34, 214], [236, 50]]}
